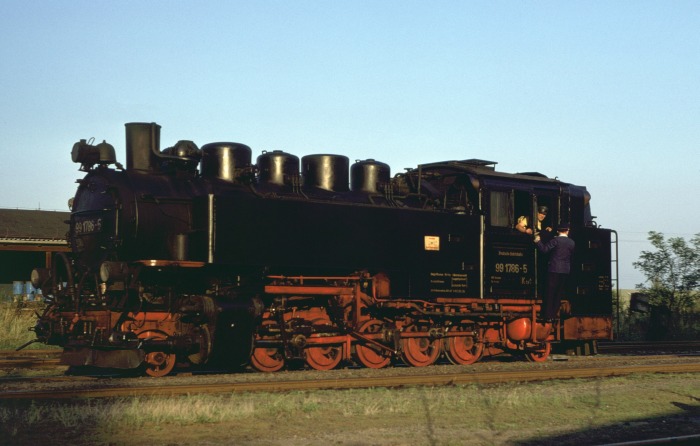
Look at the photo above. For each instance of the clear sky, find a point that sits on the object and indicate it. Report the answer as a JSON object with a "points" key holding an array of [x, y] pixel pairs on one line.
{"points": [[597, 93]]}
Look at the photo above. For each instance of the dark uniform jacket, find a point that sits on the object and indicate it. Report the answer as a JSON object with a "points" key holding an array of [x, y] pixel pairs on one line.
{"points": [[561, 248]]}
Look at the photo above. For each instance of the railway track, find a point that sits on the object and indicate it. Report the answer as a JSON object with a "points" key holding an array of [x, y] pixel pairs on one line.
{"points": [[424, 379], [29, 363], [14, 354], [29, 359], [603, 347], [49, 358]]}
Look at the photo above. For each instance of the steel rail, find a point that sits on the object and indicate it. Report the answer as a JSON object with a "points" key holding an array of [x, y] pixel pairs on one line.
{"points": [[634, 346], [29, 363], [34, 353], [356, 383]]}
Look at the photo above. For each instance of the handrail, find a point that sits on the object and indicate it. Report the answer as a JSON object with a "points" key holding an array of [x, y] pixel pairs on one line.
{"points": [[615, 279]]}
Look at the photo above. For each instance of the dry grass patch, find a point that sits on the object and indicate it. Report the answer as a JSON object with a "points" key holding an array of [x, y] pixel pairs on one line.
{"points": [[15, 322], [494, 414]]}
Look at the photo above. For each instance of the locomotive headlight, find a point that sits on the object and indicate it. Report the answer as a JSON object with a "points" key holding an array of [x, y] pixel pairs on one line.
{"points": [[39, 277], [113, 271]]}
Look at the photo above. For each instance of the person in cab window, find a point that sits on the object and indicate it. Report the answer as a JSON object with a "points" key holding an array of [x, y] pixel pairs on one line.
{"points": [[524, 226]]}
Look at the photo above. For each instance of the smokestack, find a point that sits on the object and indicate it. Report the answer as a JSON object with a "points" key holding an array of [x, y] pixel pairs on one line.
{"points": [[142, 146]]}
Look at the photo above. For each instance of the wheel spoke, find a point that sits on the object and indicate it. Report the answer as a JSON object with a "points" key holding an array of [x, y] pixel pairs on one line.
{"points": [[324, 357], [267, 359], [539, 353], [463, 350], [420, 352], [370, 355], [159, 364]]}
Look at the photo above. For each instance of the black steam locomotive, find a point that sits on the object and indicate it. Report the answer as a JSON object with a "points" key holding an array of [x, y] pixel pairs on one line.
{"points": [[198, 256]]}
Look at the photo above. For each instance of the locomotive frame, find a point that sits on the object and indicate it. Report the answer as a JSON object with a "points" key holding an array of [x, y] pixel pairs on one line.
{"points": [[281, 263]]}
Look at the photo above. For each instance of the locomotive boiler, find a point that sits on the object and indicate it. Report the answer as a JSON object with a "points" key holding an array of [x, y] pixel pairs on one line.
{"points": [[197, 255]]}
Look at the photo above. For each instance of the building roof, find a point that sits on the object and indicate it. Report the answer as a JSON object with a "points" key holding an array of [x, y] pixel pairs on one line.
{"points": [[28, 226]]}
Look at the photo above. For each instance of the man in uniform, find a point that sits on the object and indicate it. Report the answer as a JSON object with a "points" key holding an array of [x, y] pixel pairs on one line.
{"points": [[560, 249]]}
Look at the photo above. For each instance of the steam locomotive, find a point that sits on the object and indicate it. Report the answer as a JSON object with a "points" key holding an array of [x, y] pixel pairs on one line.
{"points": [[196, 255]]}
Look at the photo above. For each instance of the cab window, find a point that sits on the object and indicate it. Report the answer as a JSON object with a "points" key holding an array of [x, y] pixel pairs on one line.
{"points": [[500, 209], [523, 206]]}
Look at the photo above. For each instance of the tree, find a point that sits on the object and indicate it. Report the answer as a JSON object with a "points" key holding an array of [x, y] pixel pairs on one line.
{"points": [[673, 281]]}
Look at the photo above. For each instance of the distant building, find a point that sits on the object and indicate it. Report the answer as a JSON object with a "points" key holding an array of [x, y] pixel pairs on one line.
{"points": [[28, 240]]}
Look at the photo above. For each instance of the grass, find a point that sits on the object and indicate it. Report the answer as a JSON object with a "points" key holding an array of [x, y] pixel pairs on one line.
{"points": [[15, 321], [494, 414]]}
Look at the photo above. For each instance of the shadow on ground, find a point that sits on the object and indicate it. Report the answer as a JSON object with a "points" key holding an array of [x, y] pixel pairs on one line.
{"points": [[682, 425]]}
